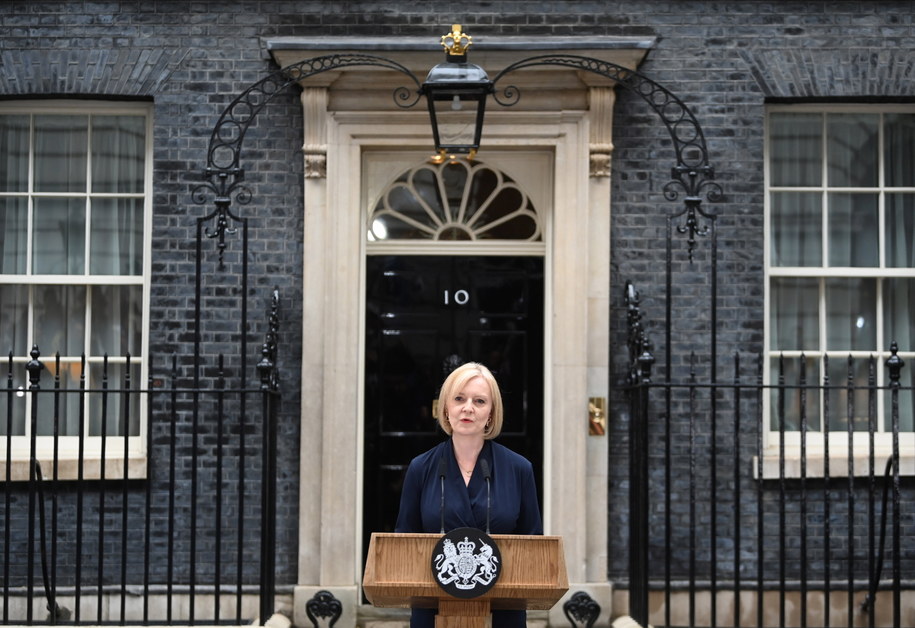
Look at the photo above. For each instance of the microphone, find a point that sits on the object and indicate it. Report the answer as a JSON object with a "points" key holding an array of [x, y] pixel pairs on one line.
{"points": [[484, 467], [442, 469]]}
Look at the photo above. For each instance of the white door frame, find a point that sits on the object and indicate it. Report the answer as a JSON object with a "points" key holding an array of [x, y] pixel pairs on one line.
{"points": [[339, 128]]}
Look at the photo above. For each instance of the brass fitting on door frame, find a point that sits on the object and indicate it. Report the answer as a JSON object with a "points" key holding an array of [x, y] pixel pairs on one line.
{"points": [[597, 416]]}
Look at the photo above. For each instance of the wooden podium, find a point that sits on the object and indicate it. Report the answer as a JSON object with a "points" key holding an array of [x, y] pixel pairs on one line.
{"points": [[398, 573]]}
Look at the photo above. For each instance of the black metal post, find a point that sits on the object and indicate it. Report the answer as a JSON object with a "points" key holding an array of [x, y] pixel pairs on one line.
{"points": [[641, 361], [894, 363], [269, 392], [34, 368]]}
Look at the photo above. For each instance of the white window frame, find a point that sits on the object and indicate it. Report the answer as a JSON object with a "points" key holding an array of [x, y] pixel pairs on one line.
{"points": [[67, 450], [773, 465]]}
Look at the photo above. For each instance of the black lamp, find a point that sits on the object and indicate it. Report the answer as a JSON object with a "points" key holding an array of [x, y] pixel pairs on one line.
{"points": [[456, 92]]}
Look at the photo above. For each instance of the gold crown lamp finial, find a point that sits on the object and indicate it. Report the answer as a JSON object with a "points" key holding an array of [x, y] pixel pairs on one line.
{"points": [[456, 42]]}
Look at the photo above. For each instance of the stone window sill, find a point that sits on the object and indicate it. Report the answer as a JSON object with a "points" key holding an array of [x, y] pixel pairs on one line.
{"points": [[772, 468], [68, 468]]}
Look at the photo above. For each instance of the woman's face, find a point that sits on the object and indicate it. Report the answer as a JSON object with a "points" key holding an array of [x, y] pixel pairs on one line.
{"points": [[469, 408]]}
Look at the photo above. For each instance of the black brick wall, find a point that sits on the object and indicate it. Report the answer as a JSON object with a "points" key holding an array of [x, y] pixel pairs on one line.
{"points": [[724, 59]]}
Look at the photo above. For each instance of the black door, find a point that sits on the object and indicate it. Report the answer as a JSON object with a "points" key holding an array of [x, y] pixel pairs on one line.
{"points": [[425, 315]]}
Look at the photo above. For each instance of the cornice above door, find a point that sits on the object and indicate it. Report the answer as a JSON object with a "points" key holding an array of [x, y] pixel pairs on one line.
{"points": [[543, 88]]}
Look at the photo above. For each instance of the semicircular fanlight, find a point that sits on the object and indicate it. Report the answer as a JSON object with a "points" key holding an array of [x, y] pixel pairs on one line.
{"points": [[454, 201]]}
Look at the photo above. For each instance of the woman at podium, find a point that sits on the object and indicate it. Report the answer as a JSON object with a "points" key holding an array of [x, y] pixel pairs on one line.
{"points": [[446, 487]]}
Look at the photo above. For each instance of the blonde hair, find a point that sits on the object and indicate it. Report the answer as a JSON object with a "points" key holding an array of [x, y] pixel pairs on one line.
{"points": [[456, 381]]}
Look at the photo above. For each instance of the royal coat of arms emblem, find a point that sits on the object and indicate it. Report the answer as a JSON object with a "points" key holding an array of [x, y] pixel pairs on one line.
{"points": [[466, 563]]}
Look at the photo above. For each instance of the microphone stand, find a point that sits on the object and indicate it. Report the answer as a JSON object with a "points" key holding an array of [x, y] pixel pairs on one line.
{"points": [[484, 467], [442, 469]]}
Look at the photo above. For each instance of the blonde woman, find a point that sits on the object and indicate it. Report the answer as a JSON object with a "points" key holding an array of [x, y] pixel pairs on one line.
{"points": [[470, 413]]}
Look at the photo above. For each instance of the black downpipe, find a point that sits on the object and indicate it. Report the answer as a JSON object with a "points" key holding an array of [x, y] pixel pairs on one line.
{"points": [[868, 604], [849, 422], [760, 523], [781, 492], [80, 487], [7, 514], [125, 494], [172, 463], [803, 489], [737, 492], [827, 524], [101, 494], [56, 613], [692, 489], [220, 435]]}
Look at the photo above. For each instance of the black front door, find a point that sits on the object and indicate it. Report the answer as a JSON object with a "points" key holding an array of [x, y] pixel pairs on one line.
{"points": [[425, 315]]}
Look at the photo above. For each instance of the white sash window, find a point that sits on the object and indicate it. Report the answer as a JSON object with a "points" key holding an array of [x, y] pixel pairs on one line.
{"points": [[840, 260], [75, 191]]}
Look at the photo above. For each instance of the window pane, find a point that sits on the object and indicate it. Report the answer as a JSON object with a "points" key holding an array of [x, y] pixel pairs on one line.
{"points": [[853, 225], [796, 147], [13, 233], [121, 412], [839, 373], [116, 237], [906, 403], [14, 311], [900, 229], [454, 180], [386, 226], [852, 146], [14, 156], [426, 186], [118, 149], [59, 319], [797, 229], [67, 403], [798, 391], [899, 139], [899, 313], [12, 396], [60, 153], [509, 213], [117, 313], [59, 236], [851, 314], [413, 215], [794, 321]]}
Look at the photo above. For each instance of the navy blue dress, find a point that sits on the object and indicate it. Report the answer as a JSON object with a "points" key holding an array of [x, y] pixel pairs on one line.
{"points": [[514, 510]]}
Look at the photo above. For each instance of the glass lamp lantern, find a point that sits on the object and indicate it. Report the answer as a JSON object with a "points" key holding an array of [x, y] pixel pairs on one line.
{"points": [[456, 93]]}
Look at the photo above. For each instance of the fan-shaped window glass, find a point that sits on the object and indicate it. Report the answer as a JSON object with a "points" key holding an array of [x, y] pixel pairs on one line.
{"points": [[454, 201]]}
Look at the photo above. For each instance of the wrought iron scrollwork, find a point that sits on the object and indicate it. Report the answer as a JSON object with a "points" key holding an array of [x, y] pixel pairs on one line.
{"points": [[323, 605], [223, 184], [267, 368], [224, 175], [640, 357], [581, 610], [225, 142], [693, 175]]}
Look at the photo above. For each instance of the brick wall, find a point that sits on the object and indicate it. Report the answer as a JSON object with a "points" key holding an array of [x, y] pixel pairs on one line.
{"points": [[724, 59]]}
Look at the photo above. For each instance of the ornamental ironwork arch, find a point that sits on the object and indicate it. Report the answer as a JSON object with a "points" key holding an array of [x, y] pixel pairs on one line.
{"points": [[692, 174]]}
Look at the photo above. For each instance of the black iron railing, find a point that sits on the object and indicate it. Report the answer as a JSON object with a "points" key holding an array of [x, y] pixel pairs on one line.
{"points": [[107, 518], [805, 516]]}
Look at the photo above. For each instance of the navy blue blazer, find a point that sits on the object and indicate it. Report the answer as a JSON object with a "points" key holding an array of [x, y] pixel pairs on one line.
{"points": [[515, 509]]}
